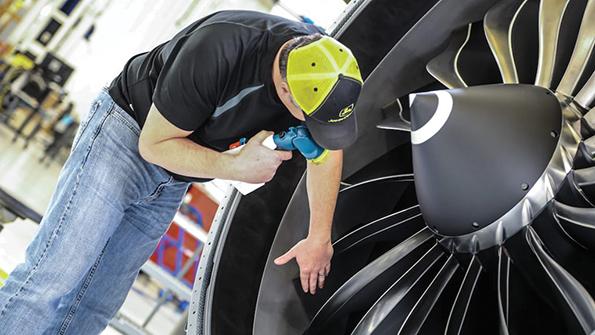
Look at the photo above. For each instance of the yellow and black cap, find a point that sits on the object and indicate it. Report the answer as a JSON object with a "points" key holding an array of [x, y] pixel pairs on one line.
{"points": [[325, 82]]}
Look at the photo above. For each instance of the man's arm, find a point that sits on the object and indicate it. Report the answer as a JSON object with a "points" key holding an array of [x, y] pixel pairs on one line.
{"points": [[166, 145], [323, 182], [314, 253]]}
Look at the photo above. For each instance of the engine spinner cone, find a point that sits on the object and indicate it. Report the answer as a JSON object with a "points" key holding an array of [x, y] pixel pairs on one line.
{"points": [[478, 151]]}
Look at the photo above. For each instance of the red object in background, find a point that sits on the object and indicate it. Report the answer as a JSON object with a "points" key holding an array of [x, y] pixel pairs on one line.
{"points": [[171, 243], [205, 205]]}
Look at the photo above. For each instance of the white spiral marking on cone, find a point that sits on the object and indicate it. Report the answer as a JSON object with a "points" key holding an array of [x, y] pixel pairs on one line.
{"points": [[433, 126]]}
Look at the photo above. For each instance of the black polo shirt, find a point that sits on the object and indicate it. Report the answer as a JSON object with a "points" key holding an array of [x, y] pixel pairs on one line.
{"points": [[213, 78]]}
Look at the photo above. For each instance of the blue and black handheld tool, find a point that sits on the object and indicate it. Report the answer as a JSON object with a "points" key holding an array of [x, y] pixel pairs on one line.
{"points": [[299, 138]]}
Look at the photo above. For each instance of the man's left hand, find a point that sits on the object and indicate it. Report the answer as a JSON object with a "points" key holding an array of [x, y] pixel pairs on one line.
{"points": [[314, 259]]}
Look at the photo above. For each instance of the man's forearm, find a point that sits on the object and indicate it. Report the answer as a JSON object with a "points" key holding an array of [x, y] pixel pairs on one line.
{"points": [[323, 186], [184, 157]]}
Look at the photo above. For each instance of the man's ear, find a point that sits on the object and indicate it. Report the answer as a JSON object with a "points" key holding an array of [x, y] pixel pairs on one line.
{"points": [[284, 87]]}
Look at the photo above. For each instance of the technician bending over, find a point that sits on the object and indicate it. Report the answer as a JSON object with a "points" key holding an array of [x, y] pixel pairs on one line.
{"points": [[165, 121]]}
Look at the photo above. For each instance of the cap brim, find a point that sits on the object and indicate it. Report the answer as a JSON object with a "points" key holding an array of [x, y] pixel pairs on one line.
{"points": [[335, 136]]}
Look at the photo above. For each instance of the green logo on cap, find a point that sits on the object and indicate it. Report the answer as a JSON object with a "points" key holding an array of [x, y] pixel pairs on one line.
{"points": [[343, 114]]}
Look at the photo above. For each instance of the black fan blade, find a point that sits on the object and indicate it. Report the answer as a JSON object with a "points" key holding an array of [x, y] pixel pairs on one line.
{"points": [[503, 275], [584, 179], [392, 307], [444, 67], [554, 283], [417, 316], [395, 226], [395, 119], [394, 123], [578, 222], [369, 283], [458, 312], [585, 155], [367, 201]]}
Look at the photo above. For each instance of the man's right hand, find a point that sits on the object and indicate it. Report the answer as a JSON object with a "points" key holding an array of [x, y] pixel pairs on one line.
{"points": [[163, 144], [256, 163]]}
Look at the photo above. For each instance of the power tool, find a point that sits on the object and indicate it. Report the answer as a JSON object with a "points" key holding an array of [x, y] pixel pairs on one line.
{"points": [[299, 138], [295, 138]]}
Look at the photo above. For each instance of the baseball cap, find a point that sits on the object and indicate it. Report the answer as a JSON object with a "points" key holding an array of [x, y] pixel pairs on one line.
{"points": [[325, 82]]}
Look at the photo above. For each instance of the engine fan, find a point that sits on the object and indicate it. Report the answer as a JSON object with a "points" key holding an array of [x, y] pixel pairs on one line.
{"points": [[468, 203]]}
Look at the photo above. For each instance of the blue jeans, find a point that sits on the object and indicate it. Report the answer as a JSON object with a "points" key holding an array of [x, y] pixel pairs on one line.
{"points": [[109, 210]]}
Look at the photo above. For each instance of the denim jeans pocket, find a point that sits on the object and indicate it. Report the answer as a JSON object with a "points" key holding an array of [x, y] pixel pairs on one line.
{"points": [[157, 191]]}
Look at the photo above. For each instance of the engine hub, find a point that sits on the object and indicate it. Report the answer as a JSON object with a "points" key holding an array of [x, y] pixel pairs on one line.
{"points": [[477, 154]]}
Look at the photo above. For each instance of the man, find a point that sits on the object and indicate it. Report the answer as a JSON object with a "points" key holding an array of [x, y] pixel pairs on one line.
{"points": [[166, 120]]}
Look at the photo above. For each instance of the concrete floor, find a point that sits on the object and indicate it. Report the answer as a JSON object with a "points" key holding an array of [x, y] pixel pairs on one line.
{"points": [[33, 183]]}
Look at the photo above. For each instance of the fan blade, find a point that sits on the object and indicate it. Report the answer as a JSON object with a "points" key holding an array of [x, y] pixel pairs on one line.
{"points": [[386, 312], [588, 124], [391, 227], [444, 67], [498, 23], [581, 53], [503, 275], [524, 40], [394, 123], [395, 120], [456, 318], [578, 301], [585, 180], [477, 51], [551, 13], [373, 278], [585, 155], [578, 222], [381, 196], [586, 96], [425, 304]]}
